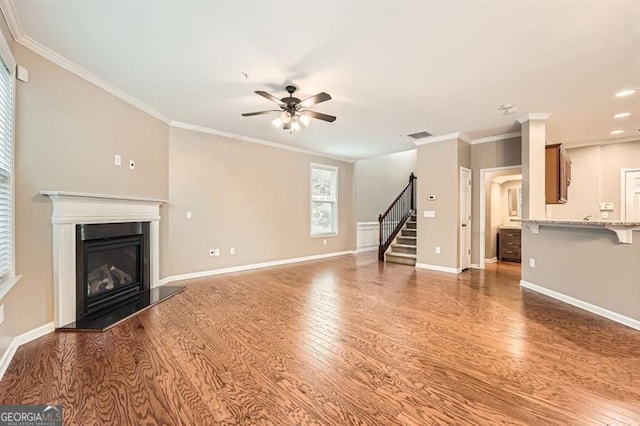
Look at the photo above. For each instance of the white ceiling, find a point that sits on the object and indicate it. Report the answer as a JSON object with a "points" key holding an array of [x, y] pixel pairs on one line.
{"points": [[392, 68]]}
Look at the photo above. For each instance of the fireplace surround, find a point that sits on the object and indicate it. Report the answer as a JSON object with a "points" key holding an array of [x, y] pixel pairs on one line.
{"points": [[71, 209]]}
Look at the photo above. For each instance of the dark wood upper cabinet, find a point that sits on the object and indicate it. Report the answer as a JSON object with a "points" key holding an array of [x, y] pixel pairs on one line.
{"points": [[558, 174]]}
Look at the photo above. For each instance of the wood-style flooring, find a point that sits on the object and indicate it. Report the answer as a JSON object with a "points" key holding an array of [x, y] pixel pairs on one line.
{"points": [[337, 342]]}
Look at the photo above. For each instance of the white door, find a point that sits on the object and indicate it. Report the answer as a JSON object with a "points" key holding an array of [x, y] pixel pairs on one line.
{"points": [[632, 196], [465, 218]]}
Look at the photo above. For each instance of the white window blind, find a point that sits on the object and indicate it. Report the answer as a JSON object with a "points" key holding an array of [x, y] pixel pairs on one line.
{"points": [[6, 172], [324, 200]]}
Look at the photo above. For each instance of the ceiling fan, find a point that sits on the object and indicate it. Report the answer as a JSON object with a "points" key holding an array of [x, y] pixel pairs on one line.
{"points": [[293, 111]]}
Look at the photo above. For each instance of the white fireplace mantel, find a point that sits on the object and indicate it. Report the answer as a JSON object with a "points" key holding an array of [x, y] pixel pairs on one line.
{"points": [[74, 208]]}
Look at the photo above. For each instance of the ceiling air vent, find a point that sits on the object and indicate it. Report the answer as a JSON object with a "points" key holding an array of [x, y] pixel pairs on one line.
{"points": [[420, 135]]}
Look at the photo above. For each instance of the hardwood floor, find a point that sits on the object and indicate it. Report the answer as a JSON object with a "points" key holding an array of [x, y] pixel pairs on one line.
{"points": [[341, 341]]}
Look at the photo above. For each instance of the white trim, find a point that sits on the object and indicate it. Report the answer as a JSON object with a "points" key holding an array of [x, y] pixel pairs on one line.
{"points": [[495, 138], [241, 268], [11, 16], [438, 268], [623, 190], [71, 209], [210, 131], [20, 340], [483, 207], [366, 249], [367, 236], [629, 322], [7, 285], [492, 260], [450, 136], [469, 220], [533, 116]]}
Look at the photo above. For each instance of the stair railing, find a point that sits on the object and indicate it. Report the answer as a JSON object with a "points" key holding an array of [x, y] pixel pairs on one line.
{"points": [[393, 219]]}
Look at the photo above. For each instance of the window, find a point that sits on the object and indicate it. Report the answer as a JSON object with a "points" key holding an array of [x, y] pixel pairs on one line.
{"points": [[324, 200], [7, 65]]}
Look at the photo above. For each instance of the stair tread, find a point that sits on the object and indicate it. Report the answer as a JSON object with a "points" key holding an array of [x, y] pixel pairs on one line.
{"points": [[408, 256], [408, 236], [404, 245]]}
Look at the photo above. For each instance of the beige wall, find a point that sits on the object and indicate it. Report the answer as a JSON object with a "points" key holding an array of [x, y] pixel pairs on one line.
{"points": [[67, 132], [484, 156], [586, 264], [438, 174], [379, 180], [247, 196], [595, 179]]}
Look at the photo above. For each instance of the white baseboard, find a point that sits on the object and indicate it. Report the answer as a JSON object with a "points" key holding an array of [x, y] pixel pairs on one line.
{"points": [[21, 340], [613, 316], [492, 260], [438, 268], [241, 268], [366, 249]]}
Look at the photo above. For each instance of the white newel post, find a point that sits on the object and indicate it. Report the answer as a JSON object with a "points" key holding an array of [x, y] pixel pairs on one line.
{"points": [[71, 209]]}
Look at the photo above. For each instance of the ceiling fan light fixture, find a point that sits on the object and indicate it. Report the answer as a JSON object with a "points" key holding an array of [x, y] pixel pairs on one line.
{"points": [[295, 126], [305, 119], [285, 117]]}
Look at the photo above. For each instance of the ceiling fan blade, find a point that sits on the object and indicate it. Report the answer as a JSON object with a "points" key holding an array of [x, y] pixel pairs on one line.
{"points": [[249, 114], [269, 96], [321, 116], [316, 99]]}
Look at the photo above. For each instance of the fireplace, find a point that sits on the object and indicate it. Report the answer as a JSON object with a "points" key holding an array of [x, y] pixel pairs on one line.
{"points": [[112, 266]]}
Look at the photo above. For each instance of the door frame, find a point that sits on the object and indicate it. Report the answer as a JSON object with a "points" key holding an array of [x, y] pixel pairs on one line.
{"points": [[462, 266], [623, 190], [483, 207]]}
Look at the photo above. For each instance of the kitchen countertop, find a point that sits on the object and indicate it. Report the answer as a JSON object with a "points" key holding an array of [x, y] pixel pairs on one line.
{"points": [[623, 230]]}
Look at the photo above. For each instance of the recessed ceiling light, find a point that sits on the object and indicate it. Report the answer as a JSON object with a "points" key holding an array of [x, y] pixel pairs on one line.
{"points": [[617, 132], [625, 92], [622, 115]]}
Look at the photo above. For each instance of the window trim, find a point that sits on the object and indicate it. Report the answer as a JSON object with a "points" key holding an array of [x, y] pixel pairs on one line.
{"points": [[8, 61], [334, 169]]}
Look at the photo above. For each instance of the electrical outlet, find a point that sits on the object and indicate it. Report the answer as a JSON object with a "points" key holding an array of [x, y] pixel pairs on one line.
{"points": [[232, 250], [532, 262], [132, 165], [324, 242], [605, 215], [188, 215], [1, 314], [117, 160], [437, 250]]}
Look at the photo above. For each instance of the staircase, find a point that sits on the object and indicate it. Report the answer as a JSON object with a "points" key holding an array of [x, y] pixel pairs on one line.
{"points": [[398, 228], [403, 250]]}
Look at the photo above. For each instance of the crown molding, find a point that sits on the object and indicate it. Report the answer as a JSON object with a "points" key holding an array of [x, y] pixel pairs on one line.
{"points": [[494, 138], [11, 16], [210, 131], [450, 136], [533, 116]]}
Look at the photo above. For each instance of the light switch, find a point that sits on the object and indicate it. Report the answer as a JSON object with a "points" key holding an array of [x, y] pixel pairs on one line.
{"points": [[188, 215], [117, 160], [429, 213]]}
